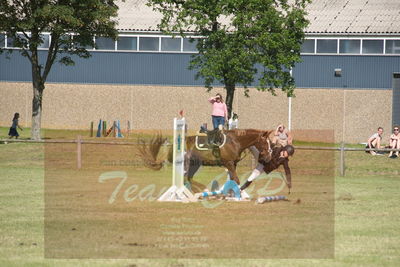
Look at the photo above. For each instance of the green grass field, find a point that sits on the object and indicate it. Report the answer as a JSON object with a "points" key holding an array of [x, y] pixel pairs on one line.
{"points": [[366, 212]]}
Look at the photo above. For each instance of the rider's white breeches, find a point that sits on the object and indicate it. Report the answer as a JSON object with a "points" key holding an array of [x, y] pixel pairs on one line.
{"points": [[256, 172]]}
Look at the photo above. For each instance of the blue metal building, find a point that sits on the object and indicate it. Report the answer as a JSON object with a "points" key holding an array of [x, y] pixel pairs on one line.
{"points": [[350, 44]]}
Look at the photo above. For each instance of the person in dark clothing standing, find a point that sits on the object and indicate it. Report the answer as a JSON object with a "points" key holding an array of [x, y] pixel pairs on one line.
{"points": [[280, 156], [13, 129]]}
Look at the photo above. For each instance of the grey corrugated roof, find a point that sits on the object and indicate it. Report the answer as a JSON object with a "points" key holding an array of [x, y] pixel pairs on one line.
{"points": [[354, 16], [326, 16], [134, 15]]}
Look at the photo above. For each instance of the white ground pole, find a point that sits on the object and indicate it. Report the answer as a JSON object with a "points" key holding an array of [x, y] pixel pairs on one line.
{"points": [[290, 107], [342, 160], [178, 192], [290, 114]]}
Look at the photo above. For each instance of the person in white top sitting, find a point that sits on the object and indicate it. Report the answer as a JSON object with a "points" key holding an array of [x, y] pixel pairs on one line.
{"points": [[375, 141], [282, 136]]}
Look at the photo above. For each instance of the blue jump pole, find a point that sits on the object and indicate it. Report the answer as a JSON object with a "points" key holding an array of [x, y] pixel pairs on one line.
{"points": [[98, 134]]}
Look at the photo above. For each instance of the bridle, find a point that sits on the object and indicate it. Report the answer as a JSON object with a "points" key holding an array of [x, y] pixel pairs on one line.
{"points": [[269, 147], [262, 148]]}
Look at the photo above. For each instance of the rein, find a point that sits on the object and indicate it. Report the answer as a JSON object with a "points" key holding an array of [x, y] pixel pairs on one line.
{"points": [[269, 145]]}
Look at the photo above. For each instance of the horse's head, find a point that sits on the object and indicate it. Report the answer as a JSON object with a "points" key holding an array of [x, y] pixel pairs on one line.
{"points": [[264, 145]]}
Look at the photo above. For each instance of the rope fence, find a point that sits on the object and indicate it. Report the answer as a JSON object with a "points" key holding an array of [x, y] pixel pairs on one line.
{"points": [[79, 142]]}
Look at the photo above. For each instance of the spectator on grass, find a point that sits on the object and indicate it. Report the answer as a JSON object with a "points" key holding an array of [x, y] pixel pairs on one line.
{"points": [[13, 129], [282, 136], [394, 142], [219, 111], [375, 141]]}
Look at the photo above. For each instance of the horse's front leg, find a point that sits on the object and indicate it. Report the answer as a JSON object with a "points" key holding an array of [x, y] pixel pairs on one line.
{"points": [[186, 165], [191, 166], [231, 166]]}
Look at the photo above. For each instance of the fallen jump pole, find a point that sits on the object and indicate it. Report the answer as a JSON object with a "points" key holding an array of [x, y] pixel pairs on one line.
{"points": [[261, 200], [229, 186]]}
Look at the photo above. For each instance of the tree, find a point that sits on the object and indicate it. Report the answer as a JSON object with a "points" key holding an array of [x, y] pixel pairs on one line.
{"points": [[245, 41], [72, 25]]}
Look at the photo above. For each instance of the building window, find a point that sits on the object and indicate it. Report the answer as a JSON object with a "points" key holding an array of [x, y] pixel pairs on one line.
{"points": [[104, 43], [349, 46], [77, 44], [2, 40], [65, 40], [127, 43], [46, 41], [372, 47], [11, 42], [308, 46], [148, 43], [190, 44], [392, 46], [178, 44], [170, 44], [327, 46]]}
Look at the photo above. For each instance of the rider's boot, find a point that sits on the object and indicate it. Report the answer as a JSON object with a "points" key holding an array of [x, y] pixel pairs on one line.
{"points": [[245, 185]]}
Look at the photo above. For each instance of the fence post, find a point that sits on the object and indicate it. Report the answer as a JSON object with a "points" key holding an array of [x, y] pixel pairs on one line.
{"points": [[342, 164], [104, 128], [79, 152], [91, 128]]}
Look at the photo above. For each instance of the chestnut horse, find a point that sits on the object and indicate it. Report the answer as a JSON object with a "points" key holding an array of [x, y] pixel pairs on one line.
{"points": [[227, 155]]}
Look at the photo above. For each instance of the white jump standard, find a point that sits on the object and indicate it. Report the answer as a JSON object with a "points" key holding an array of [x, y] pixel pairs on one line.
{"points": [[178, 192]]}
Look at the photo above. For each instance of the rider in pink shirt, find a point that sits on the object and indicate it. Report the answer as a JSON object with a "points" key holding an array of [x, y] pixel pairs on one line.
{"points": [[219, 112]]}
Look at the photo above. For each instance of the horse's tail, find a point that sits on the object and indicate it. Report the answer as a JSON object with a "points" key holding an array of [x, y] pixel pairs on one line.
{"points": [[148, 152]]}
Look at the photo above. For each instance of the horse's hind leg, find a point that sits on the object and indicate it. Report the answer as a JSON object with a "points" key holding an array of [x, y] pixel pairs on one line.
{"points": [[194, 166]]}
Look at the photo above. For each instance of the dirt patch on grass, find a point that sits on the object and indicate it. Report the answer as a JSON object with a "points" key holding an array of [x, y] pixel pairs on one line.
{"points": [[345, 197], [111, 204]]}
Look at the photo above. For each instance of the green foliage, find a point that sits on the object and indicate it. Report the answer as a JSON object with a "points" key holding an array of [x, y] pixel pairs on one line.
{"points": [[72, 25], [244, 40], [25, 20]]}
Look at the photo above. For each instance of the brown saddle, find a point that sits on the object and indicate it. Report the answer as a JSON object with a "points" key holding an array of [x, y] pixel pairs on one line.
{"points": [[210, 140]]}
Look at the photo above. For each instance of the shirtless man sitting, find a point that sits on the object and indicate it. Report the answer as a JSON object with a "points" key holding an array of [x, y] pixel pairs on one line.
{"points": [[394, 142]]}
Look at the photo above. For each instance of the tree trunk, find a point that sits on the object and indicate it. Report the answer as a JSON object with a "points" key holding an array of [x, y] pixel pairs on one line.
{"points": [[38, 87], [230, 93], [37, 111]]}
